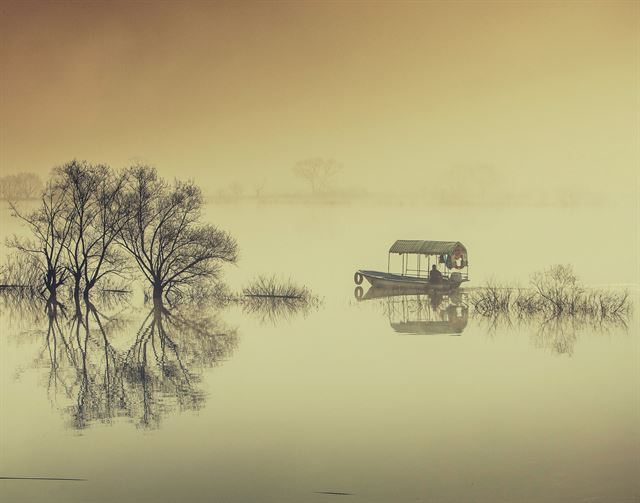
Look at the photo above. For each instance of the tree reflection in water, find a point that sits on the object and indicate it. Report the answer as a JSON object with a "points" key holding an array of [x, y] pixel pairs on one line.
{"points": [[103, 365], [278, 310], [555, 333], [108, 372], [19, 309]]}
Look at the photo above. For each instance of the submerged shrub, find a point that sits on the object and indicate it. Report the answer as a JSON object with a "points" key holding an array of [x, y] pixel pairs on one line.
{"points": [[273, 299], [494, 298], [554, 292], [271, 286]]}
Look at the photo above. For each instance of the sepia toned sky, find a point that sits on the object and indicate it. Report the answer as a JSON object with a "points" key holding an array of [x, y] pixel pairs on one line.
{"points": [[538, 95]]}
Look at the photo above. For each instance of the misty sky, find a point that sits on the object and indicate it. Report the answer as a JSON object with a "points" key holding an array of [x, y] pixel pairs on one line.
{"points": [[546, 94]]}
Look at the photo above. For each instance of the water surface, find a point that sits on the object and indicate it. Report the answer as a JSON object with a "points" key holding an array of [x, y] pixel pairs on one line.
{"points": [[241, 407]]}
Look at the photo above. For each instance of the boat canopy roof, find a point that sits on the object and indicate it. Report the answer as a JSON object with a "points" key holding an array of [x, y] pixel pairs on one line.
{"points": [[427, 247]]}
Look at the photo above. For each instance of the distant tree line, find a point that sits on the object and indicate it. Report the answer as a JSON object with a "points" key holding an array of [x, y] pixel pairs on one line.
{"points": [[319, 174], [20, 186], [94, 222]]}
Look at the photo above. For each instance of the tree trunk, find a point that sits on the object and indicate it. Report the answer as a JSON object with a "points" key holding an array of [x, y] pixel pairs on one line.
{"points": [[77, 306], [76, 289], [157, 291], [50, 283], [158, 305], [87, 289], [52, 300]]}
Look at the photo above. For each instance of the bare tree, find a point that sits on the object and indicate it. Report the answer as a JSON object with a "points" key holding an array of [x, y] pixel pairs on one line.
{"points": [[112, 215], [172, 249], [97, 213], [78, 180], [51, 228], [559, 287], [318, 172]]}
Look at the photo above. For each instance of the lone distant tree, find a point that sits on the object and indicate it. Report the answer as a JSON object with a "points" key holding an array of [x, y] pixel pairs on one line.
{"points": [[318, 172], [258, 188], [164, 235]]}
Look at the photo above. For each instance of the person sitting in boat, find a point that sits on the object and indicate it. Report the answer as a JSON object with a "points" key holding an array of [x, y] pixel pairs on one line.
{"points": [[435, 276]]}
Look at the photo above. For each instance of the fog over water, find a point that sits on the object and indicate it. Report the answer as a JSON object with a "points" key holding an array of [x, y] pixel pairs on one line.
{"points": [[491, 98]]}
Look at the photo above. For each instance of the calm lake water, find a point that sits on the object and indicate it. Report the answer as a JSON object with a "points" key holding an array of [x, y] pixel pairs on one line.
{"points": [[345, 398]]}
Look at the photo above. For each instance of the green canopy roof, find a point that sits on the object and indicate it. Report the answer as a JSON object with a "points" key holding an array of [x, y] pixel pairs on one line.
{"points": [[426, 247]]}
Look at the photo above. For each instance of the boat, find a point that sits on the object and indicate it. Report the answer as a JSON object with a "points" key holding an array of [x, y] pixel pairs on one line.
{"points": [[447, 266]]}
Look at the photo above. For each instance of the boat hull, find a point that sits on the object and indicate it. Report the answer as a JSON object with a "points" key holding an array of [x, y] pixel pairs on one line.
{"points": [[387, 280]]}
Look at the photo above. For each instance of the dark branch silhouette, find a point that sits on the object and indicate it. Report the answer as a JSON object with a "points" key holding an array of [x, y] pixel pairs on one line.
{"points": [[50, 227], [93, 222], [97, 214], [172, 248]]}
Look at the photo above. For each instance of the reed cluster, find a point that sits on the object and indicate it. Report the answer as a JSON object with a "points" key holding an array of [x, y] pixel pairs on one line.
{"points": [[20, 272], [272, 287], [274, 299], [553, 292]]}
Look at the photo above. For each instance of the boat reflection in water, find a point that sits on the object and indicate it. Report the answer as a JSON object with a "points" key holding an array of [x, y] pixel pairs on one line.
{"points": [[414, 311]]}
